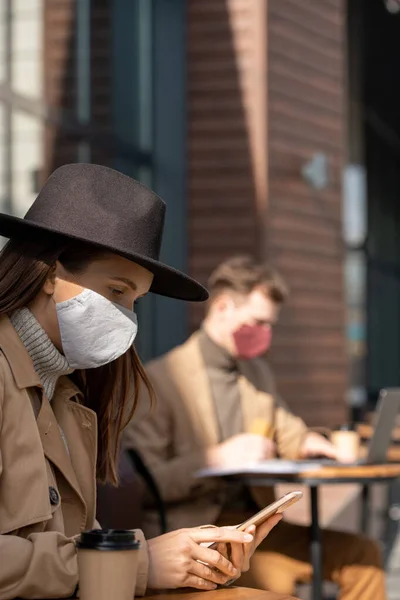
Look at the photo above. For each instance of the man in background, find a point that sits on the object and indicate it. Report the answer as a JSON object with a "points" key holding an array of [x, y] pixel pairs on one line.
{"points": [[217, 406]]}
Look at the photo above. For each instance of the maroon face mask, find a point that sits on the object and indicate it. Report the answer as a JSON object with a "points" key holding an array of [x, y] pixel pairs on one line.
{"points": [[252, 340]]}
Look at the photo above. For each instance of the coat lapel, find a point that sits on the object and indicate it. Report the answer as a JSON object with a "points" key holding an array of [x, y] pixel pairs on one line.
{"points": [[54, 447], [186, 366], [73, 452], [79, 425]]}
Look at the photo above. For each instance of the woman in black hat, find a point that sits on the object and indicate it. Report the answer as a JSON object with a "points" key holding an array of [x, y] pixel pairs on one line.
{"points": [[69, 277]]}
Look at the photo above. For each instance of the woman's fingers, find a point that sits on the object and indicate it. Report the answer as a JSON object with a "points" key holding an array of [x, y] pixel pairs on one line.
{"points": [[248, 549], [208, 573], [237, 553], [194, 581], [178, 560], [223, 549], [217, 568], [219, 534], [263, 530], [214, 559]]}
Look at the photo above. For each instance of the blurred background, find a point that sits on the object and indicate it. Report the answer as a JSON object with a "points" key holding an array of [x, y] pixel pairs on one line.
{"points": [[267, 126]]}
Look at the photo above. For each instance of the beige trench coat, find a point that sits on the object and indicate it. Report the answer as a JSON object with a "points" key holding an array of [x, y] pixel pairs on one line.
{"points": [[173, 435], [47, 493]]}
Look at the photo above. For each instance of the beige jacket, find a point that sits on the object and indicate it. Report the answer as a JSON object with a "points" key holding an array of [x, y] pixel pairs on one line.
{"points": [[47, 496], [173, 435]]}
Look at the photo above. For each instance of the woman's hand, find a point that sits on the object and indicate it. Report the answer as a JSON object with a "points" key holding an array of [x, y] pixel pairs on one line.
{"points": [[176, 559], [240, 554]]}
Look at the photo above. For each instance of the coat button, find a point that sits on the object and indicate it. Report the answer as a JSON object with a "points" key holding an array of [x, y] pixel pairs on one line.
{"points": [[54, 496]]}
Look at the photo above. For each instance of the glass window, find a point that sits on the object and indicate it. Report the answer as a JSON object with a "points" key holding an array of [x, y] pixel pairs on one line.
{"points": [[21, 132]]}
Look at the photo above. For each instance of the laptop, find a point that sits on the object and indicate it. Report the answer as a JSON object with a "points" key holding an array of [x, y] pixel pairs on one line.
{"points": [[384, 421]]}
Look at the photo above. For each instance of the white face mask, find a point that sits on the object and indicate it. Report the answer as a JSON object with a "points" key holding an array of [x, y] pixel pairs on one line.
{"points": [[94, 331]]}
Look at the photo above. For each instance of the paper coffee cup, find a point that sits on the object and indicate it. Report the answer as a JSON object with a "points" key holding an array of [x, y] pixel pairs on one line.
{"points": [[347, 443], [108, 563], [261, 426]]}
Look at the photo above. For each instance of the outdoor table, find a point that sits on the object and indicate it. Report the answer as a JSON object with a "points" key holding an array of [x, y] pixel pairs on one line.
{"points": [[364, 475], [392, 508], [228, 593], [393, 456]]}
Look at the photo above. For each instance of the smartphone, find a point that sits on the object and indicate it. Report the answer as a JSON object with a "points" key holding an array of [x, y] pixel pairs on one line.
{"points": [[276, 507]]}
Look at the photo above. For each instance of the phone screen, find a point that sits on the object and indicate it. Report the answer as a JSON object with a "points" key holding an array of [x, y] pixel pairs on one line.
{"points": [[276, 507]]}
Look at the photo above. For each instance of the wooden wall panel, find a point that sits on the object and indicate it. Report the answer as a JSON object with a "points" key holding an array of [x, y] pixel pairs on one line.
{"points": [[306, 115]]}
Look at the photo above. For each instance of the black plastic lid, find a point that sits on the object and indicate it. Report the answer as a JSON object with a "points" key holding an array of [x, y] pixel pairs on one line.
{"points": [[108, 539]]}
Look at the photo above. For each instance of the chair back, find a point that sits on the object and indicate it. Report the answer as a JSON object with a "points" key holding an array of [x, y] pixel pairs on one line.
{"points": [[122, 507]]}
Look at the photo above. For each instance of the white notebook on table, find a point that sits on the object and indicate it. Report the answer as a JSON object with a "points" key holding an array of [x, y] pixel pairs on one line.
{"points": [[266, 467]]}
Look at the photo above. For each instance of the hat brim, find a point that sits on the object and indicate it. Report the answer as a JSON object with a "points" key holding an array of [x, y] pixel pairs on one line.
{"points": [[167, 281]]}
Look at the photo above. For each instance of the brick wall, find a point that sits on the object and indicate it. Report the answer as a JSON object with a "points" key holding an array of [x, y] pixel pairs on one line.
{"points": [[306, 115], [221, 188], [304, 74]]}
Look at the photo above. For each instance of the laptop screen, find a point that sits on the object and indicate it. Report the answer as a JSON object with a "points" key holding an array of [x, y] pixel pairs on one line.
{"points": [[387, 408]]}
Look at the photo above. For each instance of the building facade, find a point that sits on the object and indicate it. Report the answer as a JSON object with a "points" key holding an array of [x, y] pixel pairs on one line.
{"points": [[220, 105], [265, 93]]}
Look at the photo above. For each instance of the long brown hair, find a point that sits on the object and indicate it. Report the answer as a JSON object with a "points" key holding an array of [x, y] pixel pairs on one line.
{"points": [[112, 390]]}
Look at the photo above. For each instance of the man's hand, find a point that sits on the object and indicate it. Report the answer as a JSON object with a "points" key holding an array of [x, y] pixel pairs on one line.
{"points": [[315, 444], [241, 449]]}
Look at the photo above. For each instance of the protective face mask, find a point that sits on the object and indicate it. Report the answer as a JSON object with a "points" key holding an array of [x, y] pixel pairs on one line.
{"points": [[252, 340], [94, 331]]}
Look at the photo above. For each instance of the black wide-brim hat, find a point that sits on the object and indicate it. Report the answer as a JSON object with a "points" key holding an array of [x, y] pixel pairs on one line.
{"points": [[107, 209]]}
